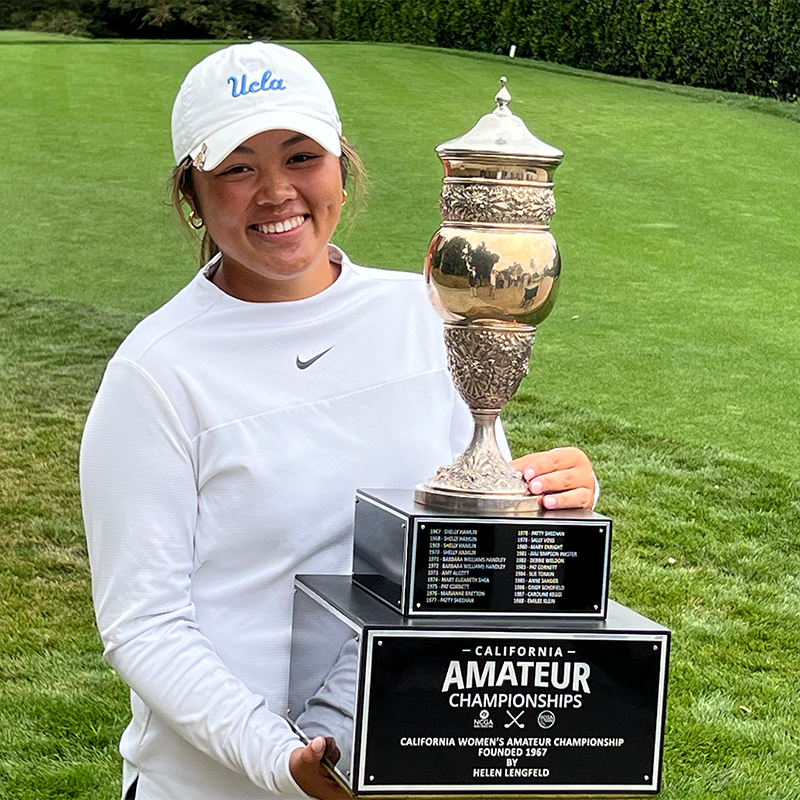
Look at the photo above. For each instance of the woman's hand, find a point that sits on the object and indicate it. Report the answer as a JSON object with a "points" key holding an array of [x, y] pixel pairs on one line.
{"points": [[561, 478], [307, 770]]}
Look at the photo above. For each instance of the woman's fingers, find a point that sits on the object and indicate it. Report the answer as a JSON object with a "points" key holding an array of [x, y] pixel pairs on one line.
{"points": [[575, 498], [311, 776], [553, 461], [563, 477], [332, 752]]}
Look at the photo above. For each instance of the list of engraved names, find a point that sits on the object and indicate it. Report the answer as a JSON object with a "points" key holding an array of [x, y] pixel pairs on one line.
{"points": [[453, 564], [459, 571], [538, 566]]}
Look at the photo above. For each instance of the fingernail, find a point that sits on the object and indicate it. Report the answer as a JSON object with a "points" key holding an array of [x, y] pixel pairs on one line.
{"points": [[549, 501], [536, 487], [529, 474], [318, 744]]}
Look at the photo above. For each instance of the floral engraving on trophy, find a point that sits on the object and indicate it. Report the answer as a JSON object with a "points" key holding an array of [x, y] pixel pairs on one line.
{"points": [[473, 471], [491, 204], [487, 364]]}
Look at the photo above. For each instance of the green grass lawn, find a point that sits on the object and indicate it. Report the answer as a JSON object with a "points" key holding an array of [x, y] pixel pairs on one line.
{"points": [[677, 219], [671, 356], [35, 37]]}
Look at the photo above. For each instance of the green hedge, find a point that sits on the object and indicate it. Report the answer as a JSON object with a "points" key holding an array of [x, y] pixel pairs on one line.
{"points": [[748, 46]]}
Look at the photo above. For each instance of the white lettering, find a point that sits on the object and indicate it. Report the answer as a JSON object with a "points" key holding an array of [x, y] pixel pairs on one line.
{"points": [[580, 678], [453, 677], [507, 674], [486, 678]]}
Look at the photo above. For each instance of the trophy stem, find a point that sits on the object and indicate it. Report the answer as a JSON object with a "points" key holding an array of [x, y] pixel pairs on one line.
{"points": [[487, 361], [484, 440]]}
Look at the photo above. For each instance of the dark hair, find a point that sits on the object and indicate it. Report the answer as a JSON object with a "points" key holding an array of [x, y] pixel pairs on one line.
{"points": [[184, 198]]}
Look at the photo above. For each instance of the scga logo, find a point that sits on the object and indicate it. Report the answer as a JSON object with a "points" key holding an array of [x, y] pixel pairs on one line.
{"points": [[483, 721], [546, 719]]}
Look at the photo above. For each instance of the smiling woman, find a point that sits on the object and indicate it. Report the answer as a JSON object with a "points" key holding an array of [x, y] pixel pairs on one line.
{"points": [[271, 207], [233, 426], [186, 202]]}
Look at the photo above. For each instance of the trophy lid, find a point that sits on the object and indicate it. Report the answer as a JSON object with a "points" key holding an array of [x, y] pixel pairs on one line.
{"points": [[501, 133]]}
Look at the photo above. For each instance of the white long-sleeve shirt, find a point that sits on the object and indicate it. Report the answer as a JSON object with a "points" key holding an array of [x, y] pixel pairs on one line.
{"points": [[213, 469]]}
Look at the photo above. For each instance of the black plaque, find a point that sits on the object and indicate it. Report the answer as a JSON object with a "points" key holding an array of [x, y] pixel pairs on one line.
{"points": [[509, 567], [531, 711], [442, 706], [423, 562]]}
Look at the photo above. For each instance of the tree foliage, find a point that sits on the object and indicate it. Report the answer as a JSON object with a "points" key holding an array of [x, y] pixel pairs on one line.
{"points": [[746, 46], [215, 19]]}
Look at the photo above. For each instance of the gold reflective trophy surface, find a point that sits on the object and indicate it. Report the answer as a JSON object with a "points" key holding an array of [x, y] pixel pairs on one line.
{"points": [[492, 271]]}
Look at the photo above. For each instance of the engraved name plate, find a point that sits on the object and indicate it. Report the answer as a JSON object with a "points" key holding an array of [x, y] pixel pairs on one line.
{"points": [[423, 562]]}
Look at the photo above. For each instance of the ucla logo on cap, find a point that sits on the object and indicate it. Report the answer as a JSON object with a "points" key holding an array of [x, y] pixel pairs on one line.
{"points": [[267, 83]]}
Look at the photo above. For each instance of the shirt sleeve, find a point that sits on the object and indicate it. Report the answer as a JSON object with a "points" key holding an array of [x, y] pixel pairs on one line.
{"points": [[139, 496]]}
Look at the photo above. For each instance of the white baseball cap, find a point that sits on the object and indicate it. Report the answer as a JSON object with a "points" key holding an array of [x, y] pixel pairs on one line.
{"points": [[246, 89]]}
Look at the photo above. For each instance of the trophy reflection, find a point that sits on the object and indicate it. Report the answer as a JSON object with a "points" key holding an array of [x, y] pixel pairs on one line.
{"points": [[492, 271]]}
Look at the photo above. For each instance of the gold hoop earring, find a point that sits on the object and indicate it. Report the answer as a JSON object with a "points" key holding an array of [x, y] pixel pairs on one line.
{"points": [[344, 196], [196, 222]]}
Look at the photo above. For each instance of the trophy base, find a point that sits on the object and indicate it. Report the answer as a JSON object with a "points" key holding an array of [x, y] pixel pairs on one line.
{"points": [[475, 504], [461, 707], [424, 562]]}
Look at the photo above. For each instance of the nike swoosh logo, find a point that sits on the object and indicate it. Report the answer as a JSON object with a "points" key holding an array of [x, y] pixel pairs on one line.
{"points": [[306, 364]]}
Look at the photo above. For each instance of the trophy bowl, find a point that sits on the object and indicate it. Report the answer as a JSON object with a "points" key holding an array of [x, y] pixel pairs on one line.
{"points": [[480, 273]]}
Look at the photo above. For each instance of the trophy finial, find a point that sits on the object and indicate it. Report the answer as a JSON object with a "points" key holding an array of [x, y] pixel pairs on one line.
{"points": [[503, 98]]}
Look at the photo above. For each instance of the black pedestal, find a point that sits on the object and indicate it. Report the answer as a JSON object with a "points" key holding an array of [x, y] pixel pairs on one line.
{"points": [[470, 705], [426, 562], [479, 656]]}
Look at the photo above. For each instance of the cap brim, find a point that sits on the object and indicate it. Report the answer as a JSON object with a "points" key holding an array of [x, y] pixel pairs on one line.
{"points": [[220, 144]]}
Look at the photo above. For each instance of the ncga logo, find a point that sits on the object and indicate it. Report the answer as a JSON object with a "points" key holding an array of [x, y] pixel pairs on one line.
{"points": [[546, 719], [483, 721]]}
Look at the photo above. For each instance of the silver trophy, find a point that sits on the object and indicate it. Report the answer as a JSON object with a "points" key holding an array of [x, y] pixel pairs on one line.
{"points": [[492, 271], [472, 621]]}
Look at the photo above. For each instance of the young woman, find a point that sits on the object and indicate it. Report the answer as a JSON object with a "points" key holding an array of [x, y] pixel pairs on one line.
{"points": [[234, 424]]}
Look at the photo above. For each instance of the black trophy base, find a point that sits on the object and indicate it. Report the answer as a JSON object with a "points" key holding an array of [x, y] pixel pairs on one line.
{"points": [[431, 706], [433, 563]]}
